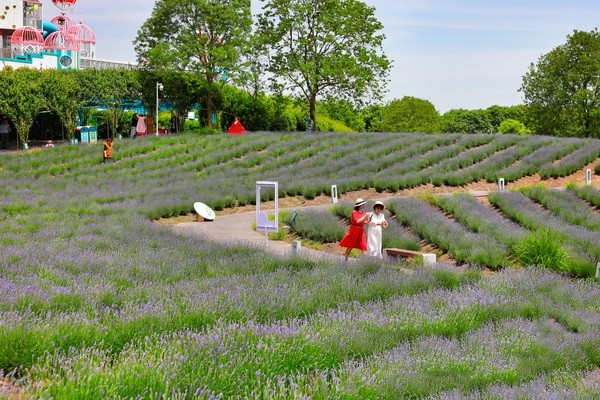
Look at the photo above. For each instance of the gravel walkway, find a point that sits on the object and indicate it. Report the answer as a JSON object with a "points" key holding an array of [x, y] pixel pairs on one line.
{"points": [[239, 229]]}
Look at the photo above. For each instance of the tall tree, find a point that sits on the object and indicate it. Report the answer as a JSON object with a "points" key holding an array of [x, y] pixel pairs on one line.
{"points": [[562, 91], [466, 121], [201, 36], [325, 48], [410, 114], [23, 98], [61, 91], [110, 88]]}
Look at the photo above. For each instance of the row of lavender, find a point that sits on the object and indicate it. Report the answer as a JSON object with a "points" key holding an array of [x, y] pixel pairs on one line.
{"points": [[479, 234], [221, 170], [526, 334], [98, 302]]}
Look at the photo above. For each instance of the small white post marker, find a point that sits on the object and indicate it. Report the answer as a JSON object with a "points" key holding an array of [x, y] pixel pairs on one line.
{"points": [[296, 246], [501, 184], [334, 194], [588, 176]]}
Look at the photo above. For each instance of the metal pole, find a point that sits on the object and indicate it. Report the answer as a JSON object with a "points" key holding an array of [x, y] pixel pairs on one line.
{"points": [[159, 86]]}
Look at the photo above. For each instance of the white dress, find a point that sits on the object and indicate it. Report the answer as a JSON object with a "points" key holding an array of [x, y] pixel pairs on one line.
{"points": [[374, 236]]}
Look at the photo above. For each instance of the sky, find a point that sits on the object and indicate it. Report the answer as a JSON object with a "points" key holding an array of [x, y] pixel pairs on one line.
{"points": [[468, 54]]}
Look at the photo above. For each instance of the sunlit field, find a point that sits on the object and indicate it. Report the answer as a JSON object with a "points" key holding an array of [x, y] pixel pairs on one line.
{"points": [[99, 301]]}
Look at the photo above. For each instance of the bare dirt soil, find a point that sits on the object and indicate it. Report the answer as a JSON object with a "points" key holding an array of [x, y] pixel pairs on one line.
{"points": [[577, 178], [480, 188]]}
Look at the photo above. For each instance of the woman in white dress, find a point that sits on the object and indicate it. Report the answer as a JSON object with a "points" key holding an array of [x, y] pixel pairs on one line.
{"points": [[374, 235]]}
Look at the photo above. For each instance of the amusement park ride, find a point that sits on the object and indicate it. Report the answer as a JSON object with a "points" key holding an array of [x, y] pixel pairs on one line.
{"points": [[28, 40]]}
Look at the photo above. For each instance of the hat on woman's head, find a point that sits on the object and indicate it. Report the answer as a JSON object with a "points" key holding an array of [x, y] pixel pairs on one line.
{"points": [[359, 202], [378, 203]]}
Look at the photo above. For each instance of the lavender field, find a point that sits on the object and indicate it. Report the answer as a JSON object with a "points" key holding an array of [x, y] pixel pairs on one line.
{"points": [[98, 301]]}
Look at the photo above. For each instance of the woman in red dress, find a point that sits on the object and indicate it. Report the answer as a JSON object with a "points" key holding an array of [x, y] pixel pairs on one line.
{"points": [[236, 127], [356, 237]]}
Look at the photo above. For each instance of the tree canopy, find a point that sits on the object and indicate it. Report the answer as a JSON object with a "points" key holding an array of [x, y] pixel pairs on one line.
{"points": [[202, 36], [330, 48], [410, 114], [467, 121], [562, 90]]}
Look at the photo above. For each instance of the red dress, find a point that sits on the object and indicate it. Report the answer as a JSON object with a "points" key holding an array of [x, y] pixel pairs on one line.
{"points": [[236, 127], [356, 237]]}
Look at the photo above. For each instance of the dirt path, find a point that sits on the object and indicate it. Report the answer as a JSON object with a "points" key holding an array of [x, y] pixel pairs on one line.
{"points": [[236, 225]]}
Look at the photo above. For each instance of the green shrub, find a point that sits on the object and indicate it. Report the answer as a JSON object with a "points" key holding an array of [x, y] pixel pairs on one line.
{"points": [[513, 126], [543, 249]]}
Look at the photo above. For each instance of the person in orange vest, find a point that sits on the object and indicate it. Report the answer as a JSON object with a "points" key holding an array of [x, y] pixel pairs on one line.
{"points": [[107, 152]]}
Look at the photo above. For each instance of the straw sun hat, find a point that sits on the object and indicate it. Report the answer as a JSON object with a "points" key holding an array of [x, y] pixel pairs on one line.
{"points": [[359, 202]]}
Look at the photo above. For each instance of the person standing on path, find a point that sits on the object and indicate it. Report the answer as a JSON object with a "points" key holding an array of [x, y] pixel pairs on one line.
{"points": [[356, 238], [374, 235], [4, 131]]}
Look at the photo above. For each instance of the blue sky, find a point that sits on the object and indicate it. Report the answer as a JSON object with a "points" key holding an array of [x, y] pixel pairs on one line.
{"points": [[457, 54]]}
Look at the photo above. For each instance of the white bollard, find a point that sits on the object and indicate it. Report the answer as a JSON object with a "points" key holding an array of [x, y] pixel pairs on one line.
{"points": [[334, 194], [588, 176], [296, 246], [501, 184], [598, 270], [428, 259]]}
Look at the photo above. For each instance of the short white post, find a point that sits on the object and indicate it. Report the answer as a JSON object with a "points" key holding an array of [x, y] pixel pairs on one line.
{"points": [[334, 194], [428, 259], [296, 246], [588, 176], [501, 184], [598, 270]]}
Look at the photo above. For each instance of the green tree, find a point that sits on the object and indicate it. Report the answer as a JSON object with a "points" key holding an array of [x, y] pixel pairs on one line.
{"points": [[466, 121], [114, 88], [205, 37], [329, 48], [373, 116], [22, 98], [562, 90], [179, 88], [497, 114], [513, 126], [61, 91], [255, 113], [410, 114], [343, 111]]}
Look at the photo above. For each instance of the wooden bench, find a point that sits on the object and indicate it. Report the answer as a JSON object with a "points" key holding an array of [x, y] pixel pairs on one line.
{"points": [[427, 258]]}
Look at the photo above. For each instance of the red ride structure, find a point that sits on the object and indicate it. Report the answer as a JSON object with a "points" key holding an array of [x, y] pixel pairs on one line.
{"points": [[64, 5]]}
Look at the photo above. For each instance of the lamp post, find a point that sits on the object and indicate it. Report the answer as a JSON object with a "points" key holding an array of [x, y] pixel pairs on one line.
{"points": [[159, 86]]}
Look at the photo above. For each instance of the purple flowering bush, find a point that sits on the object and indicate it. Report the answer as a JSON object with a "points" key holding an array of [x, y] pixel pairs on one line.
{"points": [[99, 301], [583, 243], [318, 225]]}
